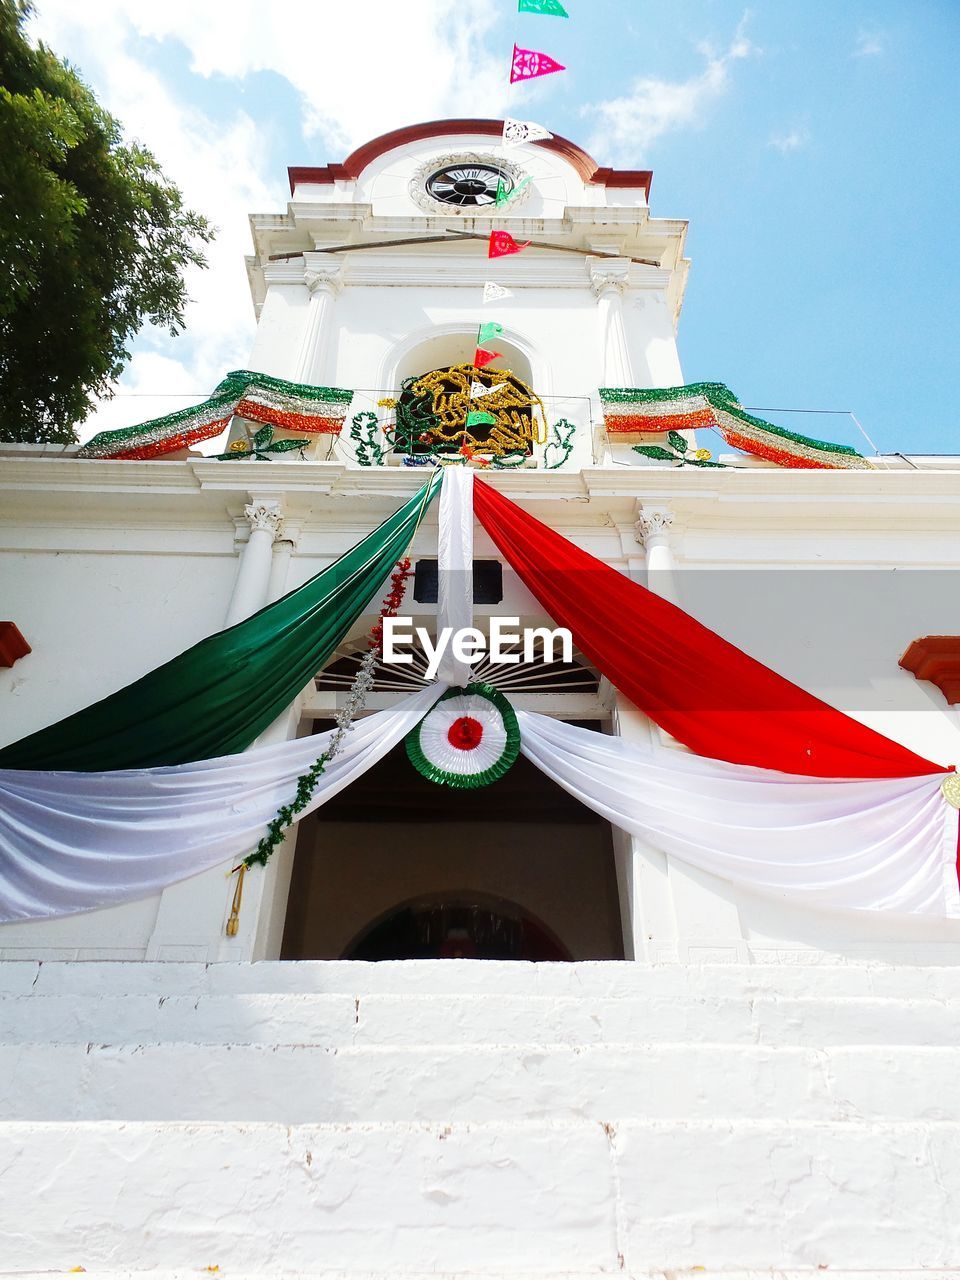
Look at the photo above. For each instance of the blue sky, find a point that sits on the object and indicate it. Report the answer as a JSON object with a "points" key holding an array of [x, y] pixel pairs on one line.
{"points": [[811, 145]]}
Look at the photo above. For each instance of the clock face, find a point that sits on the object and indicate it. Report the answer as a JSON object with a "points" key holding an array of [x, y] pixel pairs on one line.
{"points": [[468, 185]]}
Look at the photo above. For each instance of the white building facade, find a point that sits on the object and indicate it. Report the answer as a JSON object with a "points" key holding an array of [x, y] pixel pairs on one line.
{"points": [[709, 1078]]}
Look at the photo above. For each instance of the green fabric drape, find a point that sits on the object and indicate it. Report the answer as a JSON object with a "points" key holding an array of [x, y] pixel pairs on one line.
{"points": [[217, 696]]}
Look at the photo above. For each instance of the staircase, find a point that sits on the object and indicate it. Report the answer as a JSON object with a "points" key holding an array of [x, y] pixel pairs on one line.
{"points": [[477, 1118]]}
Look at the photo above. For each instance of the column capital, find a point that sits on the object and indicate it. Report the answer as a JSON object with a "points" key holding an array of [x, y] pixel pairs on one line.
{"points": [[322, 274], [609, 274], [653, 524], [289, 533], [265, 515]]}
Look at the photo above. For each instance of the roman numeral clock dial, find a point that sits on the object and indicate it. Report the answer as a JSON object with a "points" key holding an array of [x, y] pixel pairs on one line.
{"points": [[468, 185]]}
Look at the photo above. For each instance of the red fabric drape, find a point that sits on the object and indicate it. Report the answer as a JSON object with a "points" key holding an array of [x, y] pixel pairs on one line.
{"points": [[703, 690]]}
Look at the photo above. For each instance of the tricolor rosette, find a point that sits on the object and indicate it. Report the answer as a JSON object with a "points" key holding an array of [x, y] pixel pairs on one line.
{"points": [[469, 738]]}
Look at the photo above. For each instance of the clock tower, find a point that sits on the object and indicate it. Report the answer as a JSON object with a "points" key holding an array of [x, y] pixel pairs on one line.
{"points": [[379, 268]]}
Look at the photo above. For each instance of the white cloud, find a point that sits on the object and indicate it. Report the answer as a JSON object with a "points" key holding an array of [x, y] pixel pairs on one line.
{"points": [[427, 60], [627, 126], [360, 69], [792, 141], [869, 44]]}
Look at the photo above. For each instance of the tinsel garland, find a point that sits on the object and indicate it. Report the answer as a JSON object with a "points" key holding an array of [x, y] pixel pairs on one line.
{"points": [[369, 452], [713, 405], [364, 433], [356, 699], [295, 406], [433, 410], [561, 439]]}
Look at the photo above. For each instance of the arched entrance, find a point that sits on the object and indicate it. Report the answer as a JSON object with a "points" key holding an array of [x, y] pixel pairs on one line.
{"points": [[457, 926], [392, 838], [484, 869]]}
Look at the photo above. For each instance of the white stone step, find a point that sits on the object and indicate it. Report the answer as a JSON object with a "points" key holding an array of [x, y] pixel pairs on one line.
{"points": [[462, 1118], [538, 1198], [132, 1004], [599, 979], [341, 1021], [291, 1084], [691, 1273]]}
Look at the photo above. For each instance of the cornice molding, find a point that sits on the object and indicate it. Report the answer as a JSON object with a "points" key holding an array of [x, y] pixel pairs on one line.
{"points": [[351, 168], [937, 659]]}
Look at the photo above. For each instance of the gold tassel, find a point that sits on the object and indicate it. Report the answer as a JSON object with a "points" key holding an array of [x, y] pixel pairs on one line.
{"points": [[233, 920]]}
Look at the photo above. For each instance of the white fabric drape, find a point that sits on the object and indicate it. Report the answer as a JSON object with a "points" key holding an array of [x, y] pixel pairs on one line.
{"points": [[70, 842], [455, 566], [878, 845]]}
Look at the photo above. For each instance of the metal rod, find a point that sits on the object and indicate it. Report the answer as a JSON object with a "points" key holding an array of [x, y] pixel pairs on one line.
{"points": [[459, 235], [378, 244]]}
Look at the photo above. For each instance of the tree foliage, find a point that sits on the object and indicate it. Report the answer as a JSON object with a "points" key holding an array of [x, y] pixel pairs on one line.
{"points": [[94, 242]]}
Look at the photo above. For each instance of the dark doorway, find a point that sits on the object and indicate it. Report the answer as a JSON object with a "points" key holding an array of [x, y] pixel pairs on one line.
{"points": [[457, 927], [396, 867]]}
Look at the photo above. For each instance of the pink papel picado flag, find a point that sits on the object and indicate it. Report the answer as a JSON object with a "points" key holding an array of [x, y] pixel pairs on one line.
{"points": [[529, 63]]}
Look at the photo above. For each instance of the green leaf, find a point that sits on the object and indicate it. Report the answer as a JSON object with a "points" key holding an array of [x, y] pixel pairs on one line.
{"points": [[678, 441], [263, 437], [654, 451], [284, 446]]}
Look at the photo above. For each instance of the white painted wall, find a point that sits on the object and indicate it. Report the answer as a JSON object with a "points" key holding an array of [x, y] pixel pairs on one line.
{"points": [[80, 547]]}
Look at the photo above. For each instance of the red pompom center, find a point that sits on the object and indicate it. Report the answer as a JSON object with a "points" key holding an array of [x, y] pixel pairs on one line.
{"points": [[465, 733]]}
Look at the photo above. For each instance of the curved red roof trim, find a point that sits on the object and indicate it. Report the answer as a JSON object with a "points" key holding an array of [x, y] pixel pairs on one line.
{"points": [[357, 161]]}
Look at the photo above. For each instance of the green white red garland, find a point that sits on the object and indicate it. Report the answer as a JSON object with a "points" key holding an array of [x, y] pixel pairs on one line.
{"points": [[294, 406], [711, 404], [468, 739]]}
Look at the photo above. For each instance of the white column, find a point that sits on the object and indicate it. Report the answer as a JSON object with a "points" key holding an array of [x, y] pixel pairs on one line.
{"points": [[256, 560], [706, 912], [264, 910], [643, 871], [609, 279], [323, 278], [653, 533], [189, 923], [285, 544]]}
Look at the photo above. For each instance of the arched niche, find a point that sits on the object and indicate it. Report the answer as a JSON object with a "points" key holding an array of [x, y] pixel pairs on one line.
{"points": [[442, 346]]}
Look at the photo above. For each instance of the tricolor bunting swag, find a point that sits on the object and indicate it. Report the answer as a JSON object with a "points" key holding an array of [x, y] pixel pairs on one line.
{"points": [[296, 406], [218, 695], [72, 842], [713, 405], [703, 690]]}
